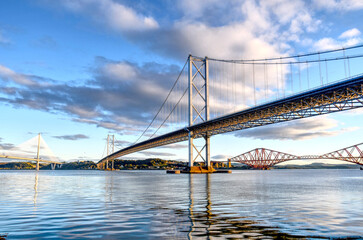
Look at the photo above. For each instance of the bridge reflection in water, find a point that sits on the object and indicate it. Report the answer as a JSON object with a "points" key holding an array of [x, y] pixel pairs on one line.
{"points": [[208, 224], [198, 219], [35, 189]]}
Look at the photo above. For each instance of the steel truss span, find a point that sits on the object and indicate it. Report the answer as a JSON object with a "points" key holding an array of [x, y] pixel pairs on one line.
{"points": [[262, 158], [336, 97]]}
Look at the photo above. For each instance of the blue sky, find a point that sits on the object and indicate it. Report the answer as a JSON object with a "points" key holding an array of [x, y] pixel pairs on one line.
{"points": [[77, 70]]}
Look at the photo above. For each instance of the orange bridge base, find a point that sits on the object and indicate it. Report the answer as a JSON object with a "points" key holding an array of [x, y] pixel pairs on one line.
{"points": [[199, 170]]}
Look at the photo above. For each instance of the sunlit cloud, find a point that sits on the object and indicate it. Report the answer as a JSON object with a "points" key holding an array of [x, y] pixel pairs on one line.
{"points": [[301, 129], [221, 157], [347, 39], [111, 13], [350, 33], [10, 75], [156, 154], [345, 5]]}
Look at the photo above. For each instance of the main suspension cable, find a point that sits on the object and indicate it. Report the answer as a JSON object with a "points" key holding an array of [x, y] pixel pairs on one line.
{"points": [[186, 90], [287, 57], [166, 99]]}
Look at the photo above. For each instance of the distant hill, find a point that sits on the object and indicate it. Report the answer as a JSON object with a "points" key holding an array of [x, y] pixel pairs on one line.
{"points": [[65, 166], [150, 163], [17, 165], [84, 165], [318, 166]]}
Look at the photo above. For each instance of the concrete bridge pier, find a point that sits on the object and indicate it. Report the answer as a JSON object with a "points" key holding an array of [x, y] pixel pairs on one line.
{"points": [[229, 163], [53, 165], [37, 166]]}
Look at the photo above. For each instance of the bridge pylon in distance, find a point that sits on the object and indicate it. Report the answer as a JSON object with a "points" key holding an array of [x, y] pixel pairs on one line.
{"points": [[110, 149], [198, 111]]}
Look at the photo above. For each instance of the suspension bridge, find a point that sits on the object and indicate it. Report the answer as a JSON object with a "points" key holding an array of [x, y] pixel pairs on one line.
{"points": [[262, 158], [215, 96], [22, 152]]}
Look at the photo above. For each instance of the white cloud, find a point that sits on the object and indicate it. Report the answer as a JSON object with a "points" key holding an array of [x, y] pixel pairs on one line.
{"points": [[113, 14], [347, 5], [281, 20], [119, 71], [175, 146], [123, 18], [251, 29], [229, 41], [349, 38], [260, 29], [301, 129], [327, 44], [257, 17], [354, 112], [350, 33], [221, 157], [157, 154]]}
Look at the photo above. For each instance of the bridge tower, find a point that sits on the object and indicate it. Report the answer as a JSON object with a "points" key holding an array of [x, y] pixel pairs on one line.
{"points": [[198, 107], [110, 149]]}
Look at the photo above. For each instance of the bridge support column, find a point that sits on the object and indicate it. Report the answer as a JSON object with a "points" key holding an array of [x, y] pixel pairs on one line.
{"points": [[191, 150], [207, 152], [37, 166], [53, 165], [229, 164]]}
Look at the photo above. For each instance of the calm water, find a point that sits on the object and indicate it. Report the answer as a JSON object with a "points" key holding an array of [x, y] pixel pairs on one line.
{"points": [[290, 204]]}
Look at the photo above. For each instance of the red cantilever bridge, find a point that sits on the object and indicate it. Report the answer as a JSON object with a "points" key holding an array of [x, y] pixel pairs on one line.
{"points": [[262, 158]]}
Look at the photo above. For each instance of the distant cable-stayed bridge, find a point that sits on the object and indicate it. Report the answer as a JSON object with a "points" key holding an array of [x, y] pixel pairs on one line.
{"points": [[37, 147], [214, 96]]}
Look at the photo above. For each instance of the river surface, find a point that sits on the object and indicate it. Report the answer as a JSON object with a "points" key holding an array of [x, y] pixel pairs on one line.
{"points": [[275, 204]]}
